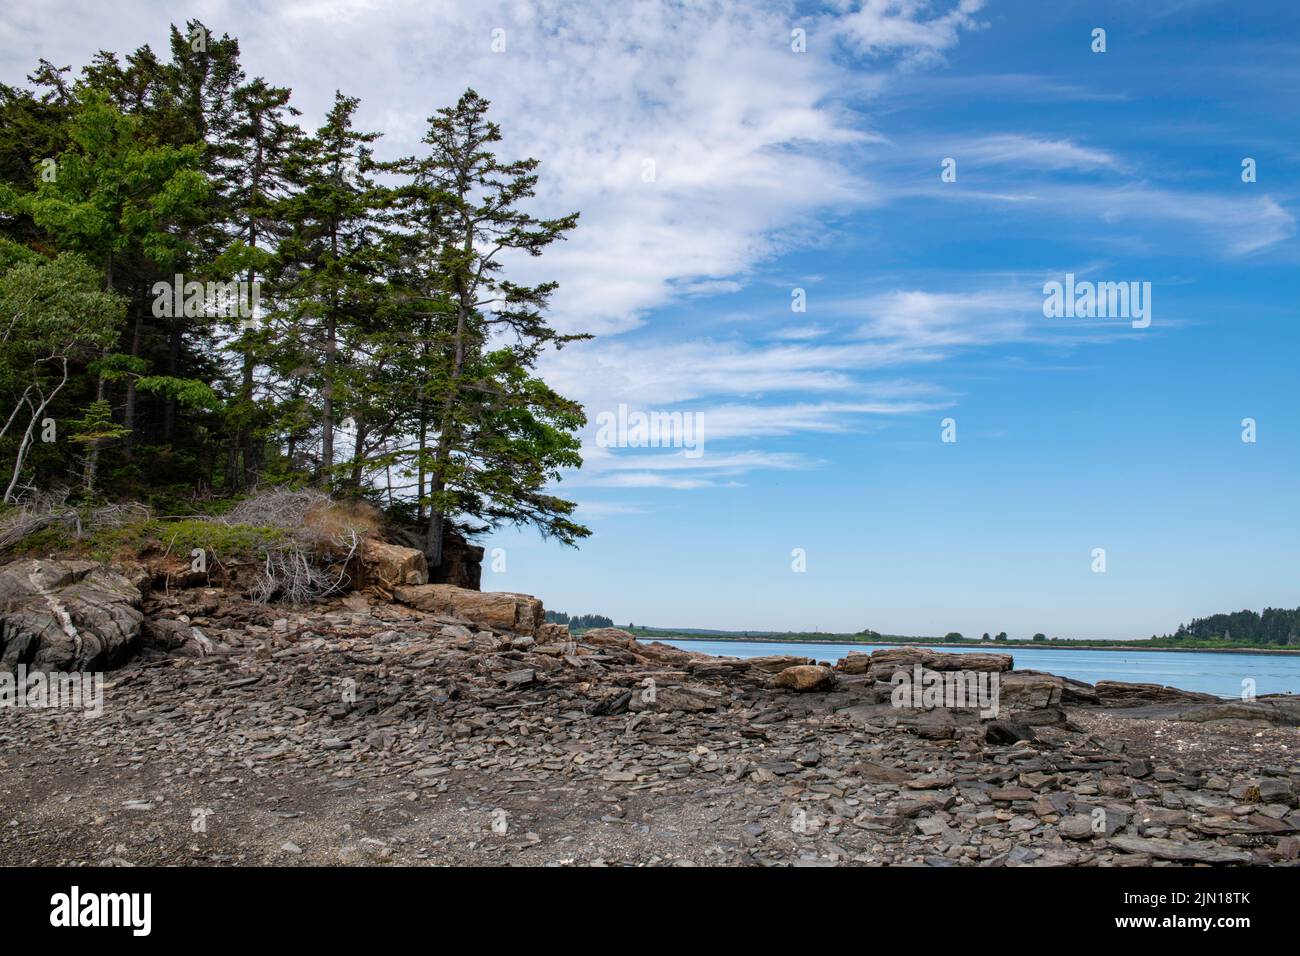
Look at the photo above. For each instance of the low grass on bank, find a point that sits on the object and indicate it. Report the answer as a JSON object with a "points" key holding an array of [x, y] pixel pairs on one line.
{"points": [[155, 535], [301, 541]]}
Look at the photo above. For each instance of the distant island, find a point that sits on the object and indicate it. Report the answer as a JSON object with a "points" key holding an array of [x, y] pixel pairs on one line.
{"points": [[1275, 630]]}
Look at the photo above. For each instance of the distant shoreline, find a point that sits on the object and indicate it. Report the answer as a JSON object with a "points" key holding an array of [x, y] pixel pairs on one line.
{"points": [[988, 645]]}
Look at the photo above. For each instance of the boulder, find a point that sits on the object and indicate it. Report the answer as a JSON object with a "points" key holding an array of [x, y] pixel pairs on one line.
{"points": [[178, 639], [549, 633], [1077, 826], [66, 616], [1001, 732], [462, 562], [1024, 690], [690, 698], [136, 573], [971, 661], [775, 663], [608, 637], [392, 565], [938, 724], [805, 678], [855, 663], [657, 652], [1076, 692], [1180, 851], [501, 610], [1281, 710], [888, 660], [1113, 693]]}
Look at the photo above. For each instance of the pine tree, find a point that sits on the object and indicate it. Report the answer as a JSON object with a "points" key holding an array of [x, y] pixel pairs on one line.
{"points": [[333, 256], [260, 151], [389, 338], [502, 435], [120, 200]]}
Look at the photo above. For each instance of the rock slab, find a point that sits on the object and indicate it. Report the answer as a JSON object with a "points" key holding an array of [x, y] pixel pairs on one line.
{"points": [[66, 616], [503, 610], [392, 564]]}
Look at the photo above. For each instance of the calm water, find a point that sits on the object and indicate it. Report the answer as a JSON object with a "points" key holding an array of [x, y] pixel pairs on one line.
{"points": [[1220, 674]]}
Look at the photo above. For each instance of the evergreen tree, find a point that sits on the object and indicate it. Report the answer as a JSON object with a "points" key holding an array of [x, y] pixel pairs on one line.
{"points": [[333, 256], [388, 337], [261, 153], [122, 201], [501, 434]]}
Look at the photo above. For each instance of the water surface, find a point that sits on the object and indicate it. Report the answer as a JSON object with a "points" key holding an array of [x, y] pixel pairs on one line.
{"points": [[1220, 674]]}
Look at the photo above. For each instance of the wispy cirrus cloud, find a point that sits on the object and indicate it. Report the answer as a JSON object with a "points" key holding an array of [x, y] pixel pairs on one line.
{"points": [[1035, 152]]}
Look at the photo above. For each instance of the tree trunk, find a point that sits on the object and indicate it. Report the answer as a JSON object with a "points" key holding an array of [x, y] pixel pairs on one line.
{"points": [[327, 392], [173, 369], [92, 453], [247, 449], [26, 443], [327, 404], [438, 482], [420, 448], [359, 455], [128, 416], [465, 298]]}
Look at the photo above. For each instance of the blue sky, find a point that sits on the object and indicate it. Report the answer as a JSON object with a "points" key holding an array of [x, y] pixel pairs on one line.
{"points": [[776, 170], [1072, 434]]}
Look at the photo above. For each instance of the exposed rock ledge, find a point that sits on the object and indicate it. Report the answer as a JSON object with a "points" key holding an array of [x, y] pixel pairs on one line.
{"points": [[382, 731], [68, 615]]}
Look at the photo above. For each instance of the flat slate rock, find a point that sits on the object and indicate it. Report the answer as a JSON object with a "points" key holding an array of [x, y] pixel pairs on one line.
{"points": [[1181, 852]]}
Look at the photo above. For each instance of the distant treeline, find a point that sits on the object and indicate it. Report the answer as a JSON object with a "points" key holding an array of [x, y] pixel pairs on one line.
{"points": [[1274, 626], [579, 620]]}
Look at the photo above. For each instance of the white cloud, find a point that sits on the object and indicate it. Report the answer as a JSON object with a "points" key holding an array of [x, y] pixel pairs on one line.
{"points": [[743, 133], [1173, 220], [1032, 152], [905, 27], [752, 154], [914, 319]]}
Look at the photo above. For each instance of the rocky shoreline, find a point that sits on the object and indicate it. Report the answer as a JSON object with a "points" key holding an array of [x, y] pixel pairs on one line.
{"points": [[425, 723]]}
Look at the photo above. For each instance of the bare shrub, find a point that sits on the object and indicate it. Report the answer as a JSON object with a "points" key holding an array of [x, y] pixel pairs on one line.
{"points": [[116, 515], [39, 510], [323, 537], [277, 508]]}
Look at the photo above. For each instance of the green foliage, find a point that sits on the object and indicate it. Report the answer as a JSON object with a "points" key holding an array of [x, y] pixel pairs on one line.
{"points": [[1271, 626], [180, 537], [226, 541], [158, 536], [379, 341], [579, 622], [97, 424], [115, 192], [185, 391], [56, 317]]}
